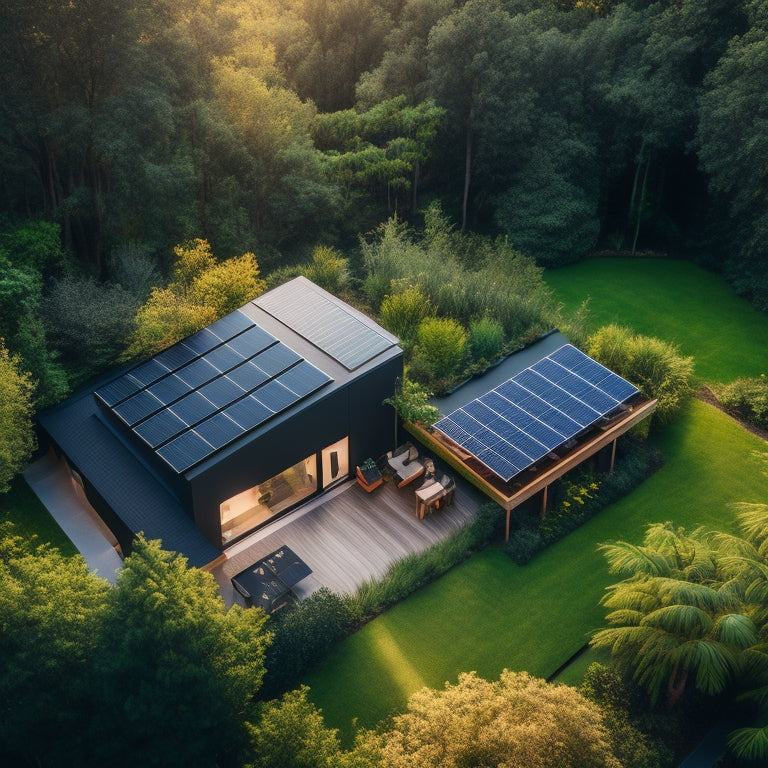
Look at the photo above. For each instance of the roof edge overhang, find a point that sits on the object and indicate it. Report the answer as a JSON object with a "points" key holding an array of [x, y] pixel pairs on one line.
{"points": [[512, 494]]}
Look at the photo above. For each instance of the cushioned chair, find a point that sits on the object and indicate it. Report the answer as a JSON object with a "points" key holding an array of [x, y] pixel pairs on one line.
{"points": [[405, 464]]}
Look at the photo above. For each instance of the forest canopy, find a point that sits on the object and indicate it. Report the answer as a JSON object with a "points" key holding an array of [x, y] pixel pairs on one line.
{"points": [[277, 127]]}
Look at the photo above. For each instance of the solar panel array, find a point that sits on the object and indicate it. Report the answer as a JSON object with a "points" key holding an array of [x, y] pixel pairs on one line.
{"points": [[327, 324], [540, 409], [209, 389]]}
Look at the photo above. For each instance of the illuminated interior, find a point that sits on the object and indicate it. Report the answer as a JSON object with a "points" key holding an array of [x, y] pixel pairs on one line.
{"points": [[261, 503], [257, 505]]}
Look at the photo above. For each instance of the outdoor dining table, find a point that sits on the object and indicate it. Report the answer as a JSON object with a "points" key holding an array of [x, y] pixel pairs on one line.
{"points": [[268, 582]]}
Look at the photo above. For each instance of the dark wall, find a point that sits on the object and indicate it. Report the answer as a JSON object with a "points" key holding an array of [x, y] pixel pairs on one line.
{"points": [[355, 410], [373, 425]]}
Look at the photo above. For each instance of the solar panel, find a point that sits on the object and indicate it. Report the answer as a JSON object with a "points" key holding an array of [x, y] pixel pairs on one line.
{"points": [[185, 451], [202, 341], [148, 372], [252, 341], [209, 389], [275, 396], [248, 412], [541, 408], [276, 359], [230, 325], [197, 373], [176, 356], [221, 391], [138, 407], [118, 390], [219, 430], [332, 326], [193, 408], [160, 428], [169, 389], [223, 358], [303, 379], [247, 376]]}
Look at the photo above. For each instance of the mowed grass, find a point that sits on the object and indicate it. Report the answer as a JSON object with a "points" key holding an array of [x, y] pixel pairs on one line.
{"points": [[489, 614], [675, 301], [29, 517]]}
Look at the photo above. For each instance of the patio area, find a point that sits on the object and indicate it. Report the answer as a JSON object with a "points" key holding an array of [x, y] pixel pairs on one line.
{"points": [[349, 535]]}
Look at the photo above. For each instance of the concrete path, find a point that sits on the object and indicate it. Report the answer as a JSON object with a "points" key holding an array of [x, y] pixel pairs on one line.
{"points": [[53, 484]]}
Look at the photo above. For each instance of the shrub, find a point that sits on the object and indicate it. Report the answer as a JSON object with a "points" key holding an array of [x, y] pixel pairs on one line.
{"points": [[746, 398], [412, 404], [302, 635], [328, 269], [524, 544], [486, 339], [654, 366], [636, 460], [402, 312], [442, 342]]}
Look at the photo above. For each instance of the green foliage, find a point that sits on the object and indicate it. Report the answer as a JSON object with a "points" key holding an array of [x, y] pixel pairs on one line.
{"points": [[654, 366], [402, 312], [486, 339], [516, 721], [412, 403], [88, 322], [17, 435], [52, 611], [202, 290], [499, 282], [302, 635], [290, 733], [329, 269], [441, 342], [748, 398], [581, 496], [173, 647]]}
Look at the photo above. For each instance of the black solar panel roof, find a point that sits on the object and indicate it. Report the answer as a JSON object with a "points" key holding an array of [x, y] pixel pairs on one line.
{"points": [[209, 389], [517, 423], [331, 325]]}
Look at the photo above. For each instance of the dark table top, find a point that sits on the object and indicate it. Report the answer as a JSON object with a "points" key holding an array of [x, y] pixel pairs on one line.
{"points": [[287, 565], [268, 582]]}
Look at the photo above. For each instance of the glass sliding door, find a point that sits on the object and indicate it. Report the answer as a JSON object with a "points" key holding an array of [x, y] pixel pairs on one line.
{"points": [[256, 506]]}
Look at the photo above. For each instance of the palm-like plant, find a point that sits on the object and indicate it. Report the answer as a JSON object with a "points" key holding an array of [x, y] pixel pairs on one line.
{"points": [[678, 616]]}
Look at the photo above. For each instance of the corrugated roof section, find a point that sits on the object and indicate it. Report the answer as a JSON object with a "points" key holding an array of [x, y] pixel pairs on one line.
{"points": [[326, 322]]}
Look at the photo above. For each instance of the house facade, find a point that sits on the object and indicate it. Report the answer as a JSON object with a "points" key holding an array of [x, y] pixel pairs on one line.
{"points": [[235, 426]]}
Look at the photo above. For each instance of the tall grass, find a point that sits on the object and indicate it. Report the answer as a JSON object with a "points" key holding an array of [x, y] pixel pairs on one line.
{"points": [[501, 283]]}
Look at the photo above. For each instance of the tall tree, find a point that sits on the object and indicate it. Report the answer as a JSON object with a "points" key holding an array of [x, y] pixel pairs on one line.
{"points": [[51, 613], [17, 436], [177, 681]]}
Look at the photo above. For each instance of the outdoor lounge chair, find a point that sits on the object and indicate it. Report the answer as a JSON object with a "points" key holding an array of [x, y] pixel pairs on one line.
{"points": [[405, 465]]}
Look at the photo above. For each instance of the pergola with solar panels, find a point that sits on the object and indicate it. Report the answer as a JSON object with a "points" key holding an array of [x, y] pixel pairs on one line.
{"points": [[518, 437]]}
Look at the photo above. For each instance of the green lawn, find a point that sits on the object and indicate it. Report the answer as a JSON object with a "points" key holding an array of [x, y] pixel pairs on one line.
{"points": [[673, 300], [489, 614], [29, 517]]}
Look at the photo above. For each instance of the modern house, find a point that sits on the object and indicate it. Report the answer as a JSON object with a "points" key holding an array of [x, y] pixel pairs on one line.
{"points": [[240, 423]]}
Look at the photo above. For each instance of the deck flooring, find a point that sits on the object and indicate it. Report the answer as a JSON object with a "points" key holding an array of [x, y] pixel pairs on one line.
{"points": [[348, 536]]}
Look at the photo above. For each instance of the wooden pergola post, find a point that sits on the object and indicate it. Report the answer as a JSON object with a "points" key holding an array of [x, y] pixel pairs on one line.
{"points": [[544, 498], [613, 455]]}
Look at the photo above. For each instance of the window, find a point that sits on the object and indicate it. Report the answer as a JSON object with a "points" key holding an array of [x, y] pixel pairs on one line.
{"points": [[256, 506]]}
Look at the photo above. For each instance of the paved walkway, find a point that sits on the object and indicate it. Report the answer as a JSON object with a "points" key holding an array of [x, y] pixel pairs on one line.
{"points": [[53, 484]]}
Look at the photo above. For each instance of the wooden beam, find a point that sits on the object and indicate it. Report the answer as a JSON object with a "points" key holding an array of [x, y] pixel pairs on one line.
{"points": [[604, 437]]}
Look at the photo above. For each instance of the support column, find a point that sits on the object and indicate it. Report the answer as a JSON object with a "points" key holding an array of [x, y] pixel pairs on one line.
{"points": [[544, 498], [613, 455]]}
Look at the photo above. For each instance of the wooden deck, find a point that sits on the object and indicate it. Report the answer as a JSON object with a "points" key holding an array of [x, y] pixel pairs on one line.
{"points": [[347, 535]]}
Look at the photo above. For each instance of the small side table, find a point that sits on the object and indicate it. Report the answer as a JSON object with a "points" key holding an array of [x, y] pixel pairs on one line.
{"points": [[369, 479]]}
